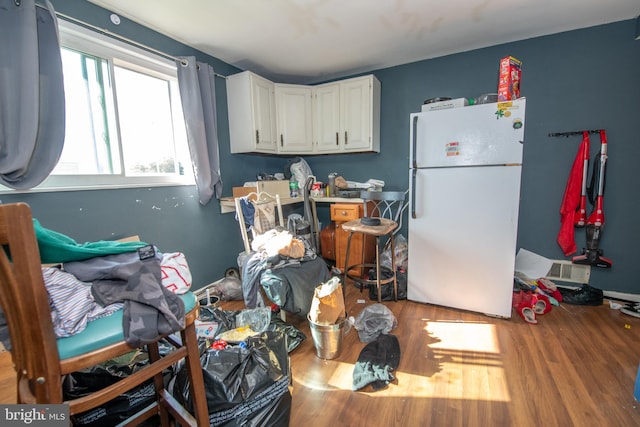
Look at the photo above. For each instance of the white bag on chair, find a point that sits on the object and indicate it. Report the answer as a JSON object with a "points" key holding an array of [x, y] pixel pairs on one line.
{"points": [[175, 272]]}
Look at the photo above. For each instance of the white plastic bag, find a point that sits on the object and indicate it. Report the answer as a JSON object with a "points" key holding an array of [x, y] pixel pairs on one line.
{"points": [[300, 171], [175, 272]]}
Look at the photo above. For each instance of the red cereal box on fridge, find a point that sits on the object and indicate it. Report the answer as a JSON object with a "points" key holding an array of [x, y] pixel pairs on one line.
{"points": [[509, 80]]}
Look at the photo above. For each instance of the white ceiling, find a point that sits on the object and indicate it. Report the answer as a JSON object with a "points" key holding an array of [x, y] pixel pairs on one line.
{"points": [[305, 41]]}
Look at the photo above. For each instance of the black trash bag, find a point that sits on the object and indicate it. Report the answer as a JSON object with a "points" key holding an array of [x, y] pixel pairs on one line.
{"points": [[226, 319], [294, 335], [83, 382], [387, 289], [244, 386]]}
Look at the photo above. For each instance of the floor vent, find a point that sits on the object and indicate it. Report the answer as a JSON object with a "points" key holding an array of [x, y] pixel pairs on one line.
{"points": [[568, 272]]}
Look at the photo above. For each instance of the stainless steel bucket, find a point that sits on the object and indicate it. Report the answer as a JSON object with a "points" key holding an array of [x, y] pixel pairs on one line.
{"points": [[327, 339]]}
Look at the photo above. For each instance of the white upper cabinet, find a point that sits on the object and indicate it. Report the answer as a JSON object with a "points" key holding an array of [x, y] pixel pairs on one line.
{"points": [[294, 118], [331, 118], [326, 120], [347, 116], [252, 120]]}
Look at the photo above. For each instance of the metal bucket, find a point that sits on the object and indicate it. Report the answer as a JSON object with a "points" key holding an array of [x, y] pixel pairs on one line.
{"points": [[327, 339]]}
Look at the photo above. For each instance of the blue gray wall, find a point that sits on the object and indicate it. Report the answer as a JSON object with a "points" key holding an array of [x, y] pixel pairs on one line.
{"points": [[585, 79]]}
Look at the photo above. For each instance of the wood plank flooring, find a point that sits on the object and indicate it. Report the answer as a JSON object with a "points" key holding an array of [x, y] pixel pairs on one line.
{"points": [[577, 367]]}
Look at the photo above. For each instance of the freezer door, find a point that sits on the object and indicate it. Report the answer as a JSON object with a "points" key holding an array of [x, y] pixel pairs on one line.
{"points": [[462, 240], [485, 134]]}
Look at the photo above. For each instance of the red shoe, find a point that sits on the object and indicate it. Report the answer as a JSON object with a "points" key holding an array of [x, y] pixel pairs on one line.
{"points": [[548, 286], [522, 303], [540, 304], [517, 299], [526, 312]]}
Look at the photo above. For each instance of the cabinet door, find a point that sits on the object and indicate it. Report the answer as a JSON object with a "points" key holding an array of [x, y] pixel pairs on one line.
{"points": [[294, 118], [356, 117], [326, 125], [263, 103]]}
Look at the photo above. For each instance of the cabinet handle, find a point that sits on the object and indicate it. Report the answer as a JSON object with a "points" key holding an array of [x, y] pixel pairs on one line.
{"points": [[281, 141], [257, 136], [346, 141], [336, 138], [344, 213]]}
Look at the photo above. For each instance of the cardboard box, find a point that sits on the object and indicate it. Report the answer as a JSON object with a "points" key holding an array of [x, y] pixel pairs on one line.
{"points": [[509, 79], [443, 105], [272, 187], [243, 191]]}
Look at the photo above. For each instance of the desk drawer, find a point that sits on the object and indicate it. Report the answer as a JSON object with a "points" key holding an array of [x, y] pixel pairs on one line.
{"points": [[345, 212]]}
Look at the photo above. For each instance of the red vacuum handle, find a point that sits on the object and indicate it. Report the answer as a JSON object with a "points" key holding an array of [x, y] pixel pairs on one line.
{"points": [[580, 218]]}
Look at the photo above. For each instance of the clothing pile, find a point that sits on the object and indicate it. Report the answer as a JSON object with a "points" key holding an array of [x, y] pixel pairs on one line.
{"points": [[286, 267], [96, 279]]}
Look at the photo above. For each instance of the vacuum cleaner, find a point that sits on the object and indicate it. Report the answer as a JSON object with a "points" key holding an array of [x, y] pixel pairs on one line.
{"points": [[592, 254]]}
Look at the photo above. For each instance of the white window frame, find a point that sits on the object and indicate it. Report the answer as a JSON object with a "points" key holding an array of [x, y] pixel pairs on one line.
{"points": [[91, 42]]}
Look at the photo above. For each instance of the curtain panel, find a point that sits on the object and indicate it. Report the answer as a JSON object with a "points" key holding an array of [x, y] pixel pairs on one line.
{"points": [[32, 105], [197, 91]]}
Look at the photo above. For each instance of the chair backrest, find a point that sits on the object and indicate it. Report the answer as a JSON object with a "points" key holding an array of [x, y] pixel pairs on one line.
{"points": [[25, 304], [260, 200], [385, 204]]}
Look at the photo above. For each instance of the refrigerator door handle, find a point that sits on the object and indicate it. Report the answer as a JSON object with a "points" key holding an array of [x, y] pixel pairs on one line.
{"points": [[414, 142], [413, 193], [414, 148]]}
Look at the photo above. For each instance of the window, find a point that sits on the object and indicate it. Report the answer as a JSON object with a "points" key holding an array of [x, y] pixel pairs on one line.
{"points": [[124, 123]]}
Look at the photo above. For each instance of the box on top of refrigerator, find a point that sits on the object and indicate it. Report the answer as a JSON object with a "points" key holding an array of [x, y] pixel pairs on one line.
{"points": [[509, 79], [444, 104]]}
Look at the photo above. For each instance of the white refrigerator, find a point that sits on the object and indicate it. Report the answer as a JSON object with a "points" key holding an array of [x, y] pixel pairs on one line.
{"points": [[465, 166]]}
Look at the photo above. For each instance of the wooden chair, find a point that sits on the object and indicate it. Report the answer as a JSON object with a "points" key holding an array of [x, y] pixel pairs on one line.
{"points": [[384, 207], [258, 199], [41, 360]]}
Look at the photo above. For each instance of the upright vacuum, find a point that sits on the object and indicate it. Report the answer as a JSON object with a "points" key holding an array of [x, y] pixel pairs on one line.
{"points": [[592, 254]]}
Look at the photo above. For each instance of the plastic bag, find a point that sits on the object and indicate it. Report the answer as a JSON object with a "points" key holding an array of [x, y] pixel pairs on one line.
{"points": [[228, 289], [176, 275], [401, 253], [386, 289], [226, 320], [374, 320], [294, 335], [244, 386], [83, 382], [297, 169], [257, 319]]}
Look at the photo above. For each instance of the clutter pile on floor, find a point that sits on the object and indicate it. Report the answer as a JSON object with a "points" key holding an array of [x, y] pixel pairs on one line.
{"points": [[536, 297]]}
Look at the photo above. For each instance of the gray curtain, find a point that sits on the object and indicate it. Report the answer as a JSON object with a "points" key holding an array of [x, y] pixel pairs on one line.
{"points": [[198, 94], [32, 107]]}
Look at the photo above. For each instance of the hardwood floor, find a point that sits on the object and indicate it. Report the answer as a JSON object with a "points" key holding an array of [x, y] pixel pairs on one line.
{"points": [[577, 367]]}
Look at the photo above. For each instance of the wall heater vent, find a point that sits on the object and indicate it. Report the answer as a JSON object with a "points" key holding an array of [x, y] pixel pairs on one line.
{"points": [[566, 271]]}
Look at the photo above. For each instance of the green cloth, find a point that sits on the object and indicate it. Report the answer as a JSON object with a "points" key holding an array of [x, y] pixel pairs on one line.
{"points": [[57, 248]]}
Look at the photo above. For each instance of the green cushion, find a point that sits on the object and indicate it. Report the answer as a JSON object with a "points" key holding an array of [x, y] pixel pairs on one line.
{"points": [[103, 332]]}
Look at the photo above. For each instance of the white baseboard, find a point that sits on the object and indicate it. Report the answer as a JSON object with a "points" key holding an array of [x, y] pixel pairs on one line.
{"points": [[621, 296]]}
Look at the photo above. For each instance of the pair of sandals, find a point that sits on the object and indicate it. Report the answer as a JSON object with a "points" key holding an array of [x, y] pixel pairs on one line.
{"points": [[529, 304]]}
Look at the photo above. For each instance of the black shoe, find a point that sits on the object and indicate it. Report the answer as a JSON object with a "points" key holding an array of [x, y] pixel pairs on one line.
{"points": [[586, 295]]}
